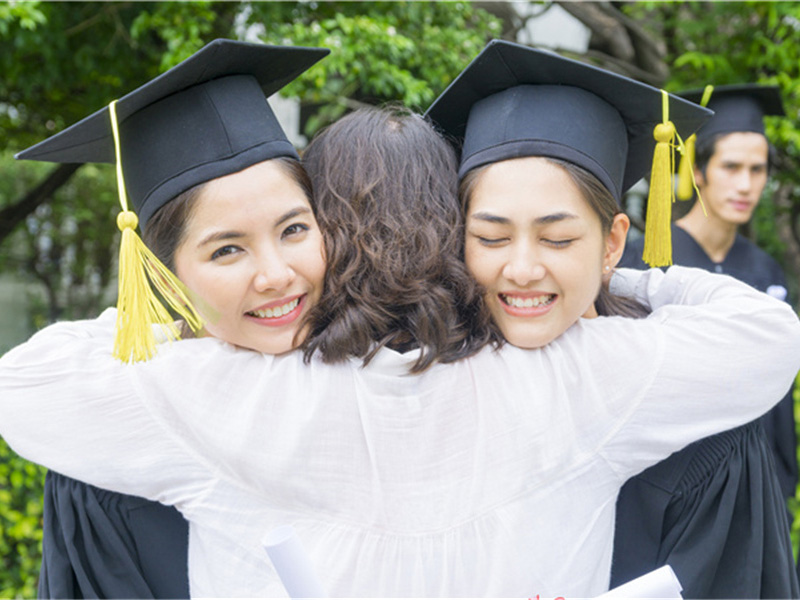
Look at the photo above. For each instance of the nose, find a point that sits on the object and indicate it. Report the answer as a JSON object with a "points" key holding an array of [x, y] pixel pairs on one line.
{"points": [[744, 181], [273, 272], [524, 266]]}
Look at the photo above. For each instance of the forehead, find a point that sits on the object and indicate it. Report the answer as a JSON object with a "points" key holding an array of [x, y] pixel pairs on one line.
{"points": [[255, 197], [742, 145], [527, 188]]}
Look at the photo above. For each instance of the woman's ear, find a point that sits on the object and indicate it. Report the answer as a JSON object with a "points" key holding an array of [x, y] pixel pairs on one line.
{"points": [[615, 243]]}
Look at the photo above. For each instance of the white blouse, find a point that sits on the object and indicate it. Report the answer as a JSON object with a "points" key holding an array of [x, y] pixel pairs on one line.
{"points": [[494, 476]]}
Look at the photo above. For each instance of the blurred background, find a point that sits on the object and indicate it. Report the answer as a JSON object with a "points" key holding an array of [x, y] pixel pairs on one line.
{"points": [[61, 61]]}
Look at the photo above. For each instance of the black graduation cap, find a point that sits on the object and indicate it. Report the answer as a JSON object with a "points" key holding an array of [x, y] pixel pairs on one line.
{"points": [[513, 101], [740, 107], [204, 118]]}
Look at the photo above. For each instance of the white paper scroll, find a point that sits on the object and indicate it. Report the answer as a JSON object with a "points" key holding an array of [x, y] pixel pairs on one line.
{"points": [[661, 583], [292, 563]]}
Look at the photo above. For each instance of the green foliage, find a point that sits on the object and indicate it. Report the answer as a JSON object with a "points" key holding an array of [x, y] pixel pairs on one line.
{"points": [[25, 15], [380, 51], [185, 27], [794, 503], [62, 60], [21, 490], [762, 225], [66, 247]]}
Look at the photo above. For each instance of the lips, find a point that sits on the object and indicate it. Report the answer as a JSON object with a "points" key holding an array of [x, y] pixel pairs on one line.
{"points": [[527, 305], [276, 314], [741, 205]]}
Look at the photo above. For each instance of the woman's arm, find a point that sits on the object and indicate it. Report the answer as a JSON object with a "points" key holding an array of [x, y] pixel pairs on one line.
{"points": [[713, 354], [722, 354], [67, 404]]}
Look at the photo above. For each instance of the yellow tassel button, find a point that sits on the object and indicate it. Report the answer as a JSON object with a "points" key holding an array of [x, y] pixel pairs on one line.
{"points": [[664, 132], [127, 220]]}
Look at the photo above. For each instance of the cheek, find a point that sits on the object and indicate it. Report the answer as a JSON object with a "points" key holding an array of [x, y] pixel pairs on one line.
{"points": [[187, 270], [215, 290], [312, 263], [479, 262], [585, 275]]}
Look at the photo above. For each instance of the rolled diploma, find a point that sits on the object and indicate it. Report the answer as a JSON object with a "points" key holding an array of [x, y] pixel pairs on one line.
{"points": [[292, 563], [661, 583]]}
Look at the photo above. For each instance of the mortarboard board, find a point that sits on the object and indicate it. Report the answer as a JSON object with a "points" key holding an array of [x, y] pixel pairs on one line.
{"points": [[739, 107], [204, 118], [513, 101]]}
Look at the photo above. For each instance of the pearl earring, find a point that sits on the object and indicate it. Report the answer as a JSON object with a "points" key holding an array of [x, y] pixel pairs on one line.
{"points": [[607, 268]]}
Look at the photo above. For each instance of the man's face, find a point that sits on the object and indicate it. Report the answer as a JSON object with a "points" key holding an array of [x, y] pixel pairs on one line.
{"points": [[735, 177]]}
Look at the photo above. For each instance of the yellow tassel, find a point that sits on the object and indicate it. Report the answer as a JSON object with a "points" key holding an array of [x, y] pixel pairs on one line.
{"points": [[657, 233], [686, 171], [138, 307], [686, 183]]}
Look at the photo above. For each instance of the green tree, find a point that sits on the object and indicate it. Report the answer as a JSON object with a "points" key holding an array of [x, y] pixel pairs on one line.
{"points": [[21, 489], [406, 52]]}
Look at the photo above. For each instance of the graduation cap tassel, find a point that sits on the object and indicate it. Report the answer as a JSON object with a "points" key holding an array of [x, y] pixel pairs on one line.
{"points": [[686, 183], [686, 171], [138, 307], [657, 234]]}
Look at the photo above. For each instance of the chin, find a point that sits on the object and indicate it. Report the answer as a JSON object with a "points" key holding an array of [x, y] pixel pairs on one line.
{"points": [[527, 342]]}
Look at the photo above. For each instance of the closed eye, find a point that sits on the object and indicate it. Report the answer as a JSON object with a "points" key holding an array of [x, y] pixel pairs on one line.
{"points": [[558, 243], [485, 241]]}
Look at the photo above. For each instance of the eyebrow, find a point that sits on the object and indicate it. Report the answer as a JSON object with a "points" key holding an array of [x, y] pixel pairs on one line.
{"points": [[543, 220], [300, 210], [219, 236]]}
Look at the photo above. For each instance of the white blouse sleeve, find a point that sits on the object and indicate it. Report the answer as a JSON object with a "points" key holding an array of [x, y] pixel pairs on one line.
{"points": [[714, 354], [67, 404]]}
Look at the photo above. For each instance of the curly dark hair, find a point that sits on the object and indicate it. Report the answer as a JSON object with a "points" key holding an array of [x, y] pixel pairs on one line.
{"points": [[385, 187]]}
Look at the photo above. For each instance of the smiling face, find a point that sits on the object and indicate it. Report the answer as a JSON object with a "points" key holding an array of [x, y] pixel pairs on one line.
{"points": [[734, 177], [252, 251], [537, 247]]}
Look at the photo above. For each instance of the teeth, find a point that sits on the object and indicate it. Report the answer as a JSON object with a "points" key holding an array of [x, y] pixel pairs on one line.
{"points": [[277, 311], [518, 302]]}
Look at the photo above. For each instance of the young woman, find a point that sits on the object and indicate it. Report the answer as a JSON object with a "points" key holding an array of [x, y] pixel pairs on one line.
{"points": [[542, 232], [241, 235], [495, 475]]}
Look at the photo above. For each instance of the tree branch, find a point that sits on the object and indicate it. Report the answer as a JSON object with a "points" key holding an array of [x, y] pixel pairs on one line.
{"points": [[13, 215], [607, 27]]}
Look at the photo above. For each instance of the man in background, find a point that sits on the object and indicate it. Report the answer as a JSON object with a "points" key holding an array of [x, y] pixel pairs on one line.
{"points": [[716, 511]]}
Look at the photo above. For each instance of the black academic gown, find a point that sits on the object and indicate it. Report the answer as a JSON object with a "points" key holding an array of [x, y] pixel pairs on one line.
{"points": [[716, 510], [100, 544]]}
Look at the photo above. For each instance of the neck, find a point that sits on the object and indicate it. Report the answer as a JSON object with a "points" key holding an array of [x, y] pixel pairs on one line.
{"points": [[715, 237]]}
